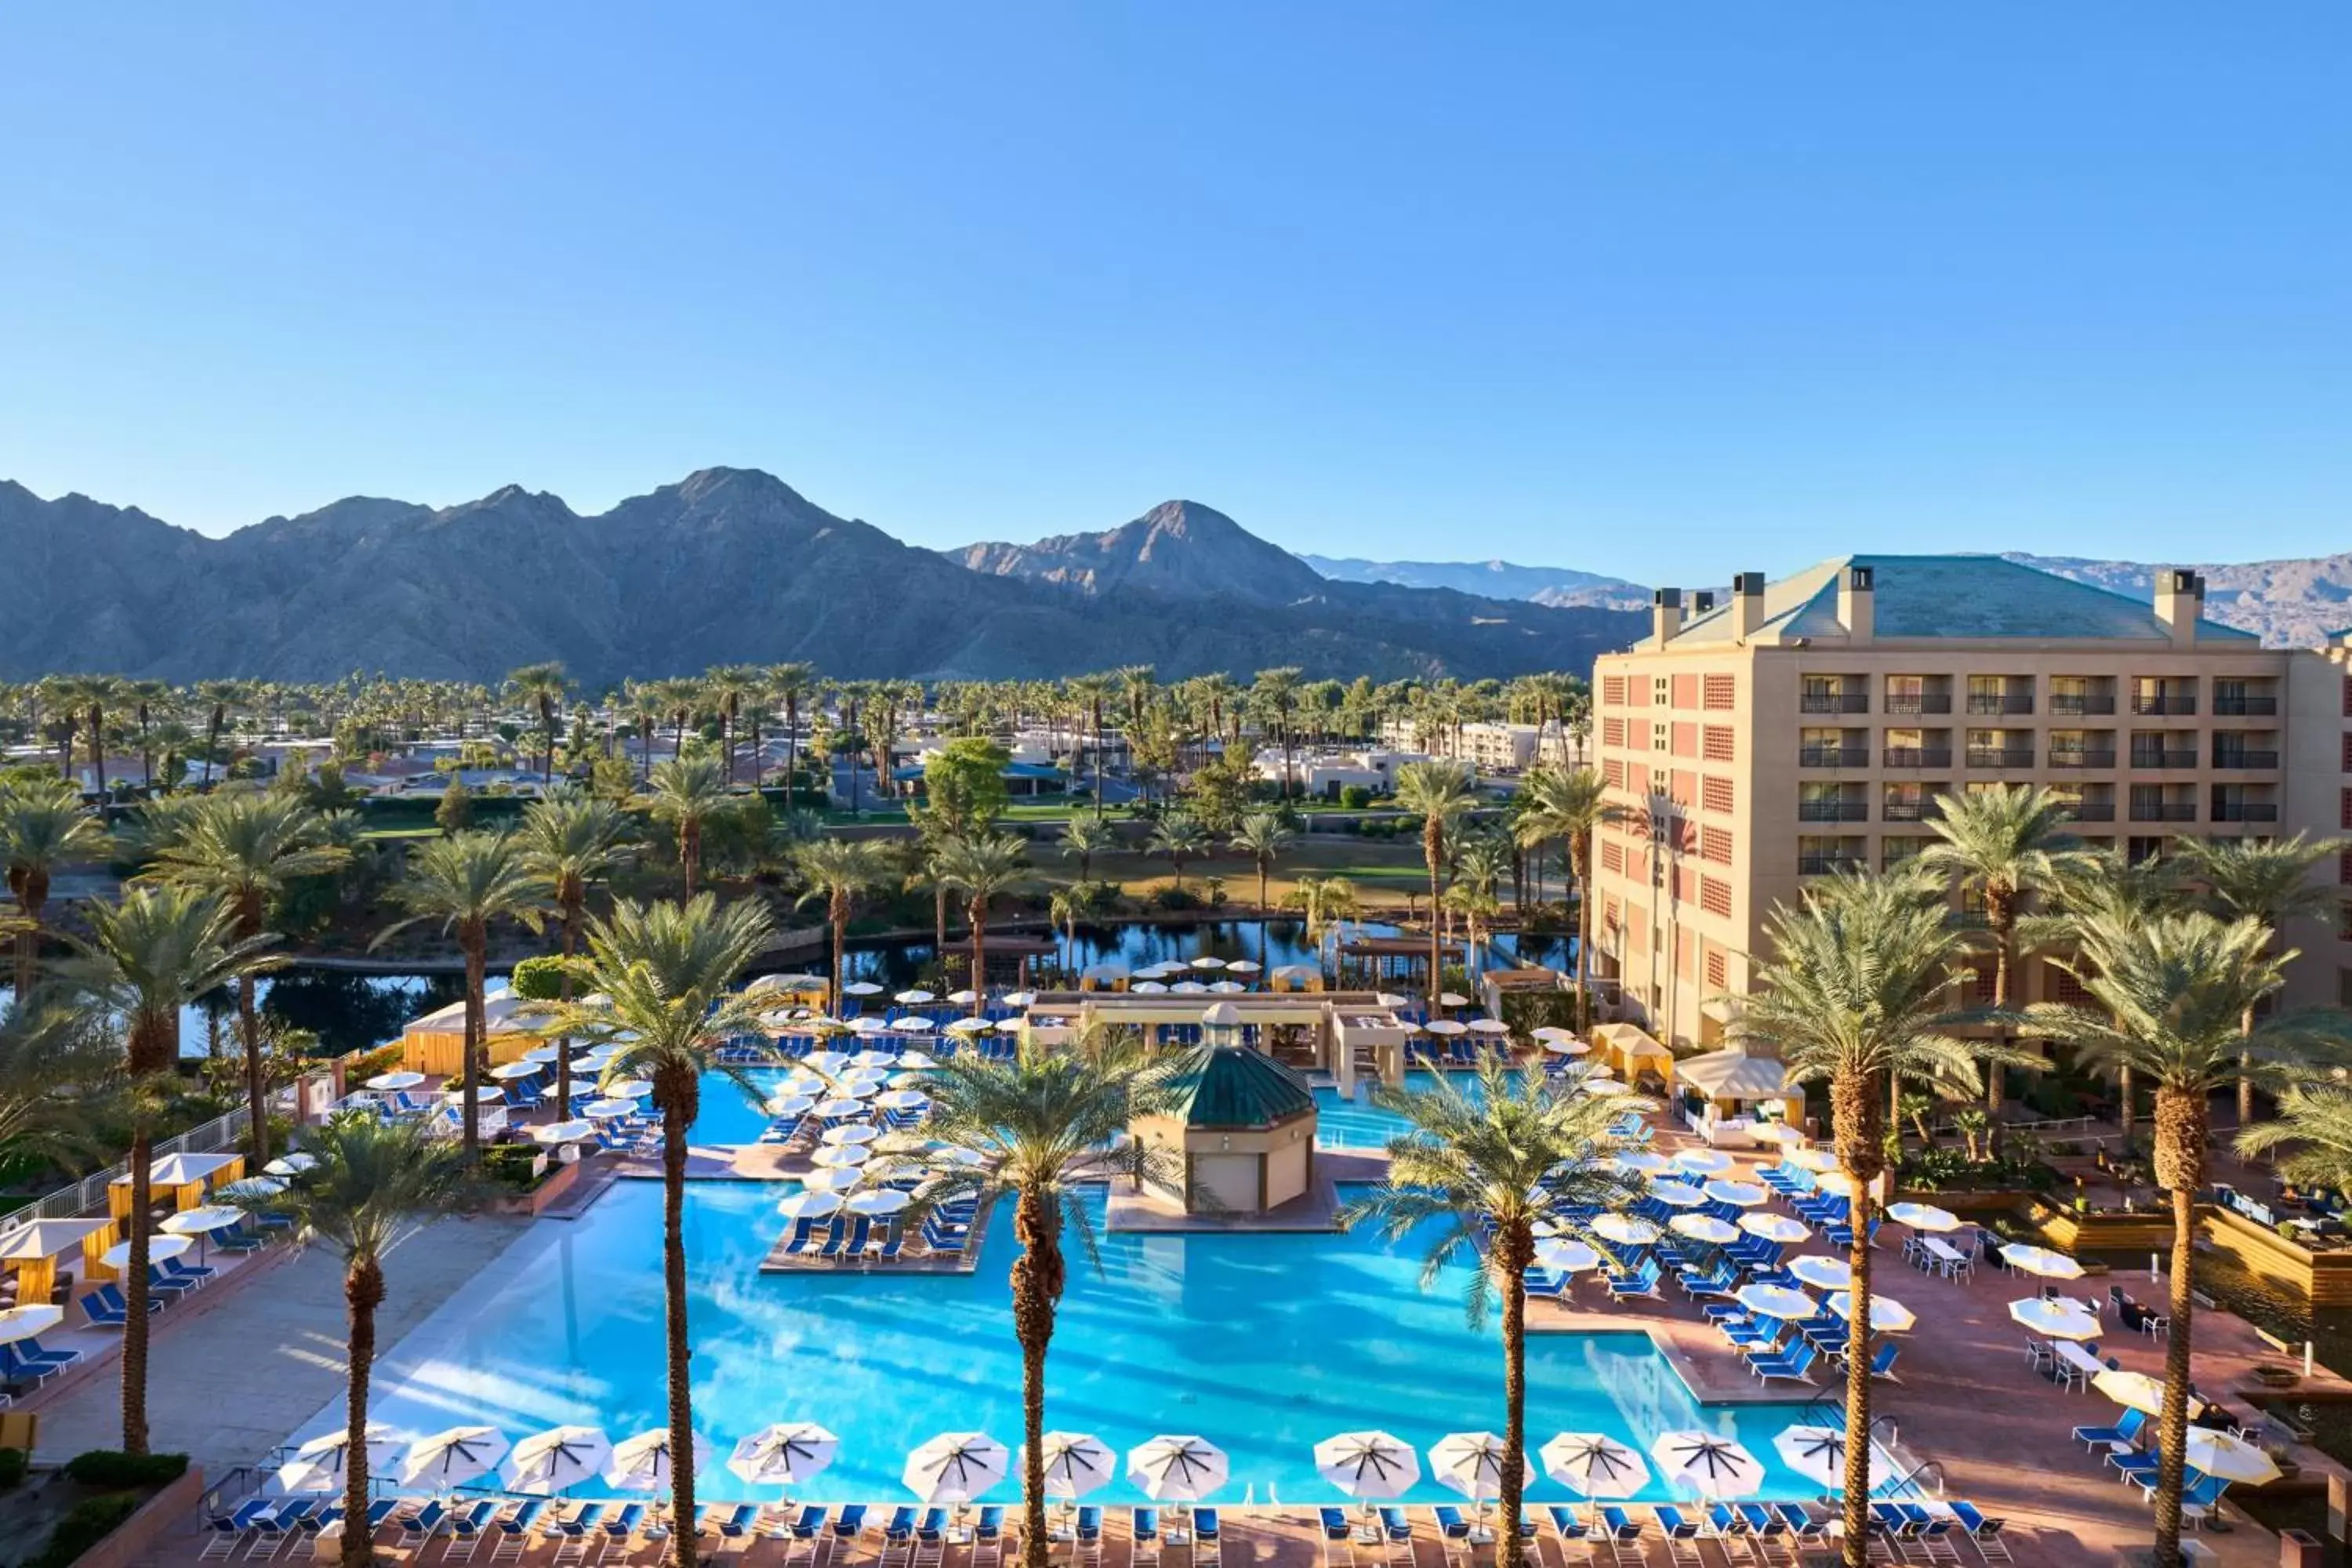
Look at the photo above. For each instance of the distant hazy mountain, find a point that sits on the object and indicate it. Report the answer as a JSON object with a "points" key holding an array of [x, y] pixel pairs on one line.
{"points": [[1556, 585], [729, 565], [2289, 604], [1179, 548]]}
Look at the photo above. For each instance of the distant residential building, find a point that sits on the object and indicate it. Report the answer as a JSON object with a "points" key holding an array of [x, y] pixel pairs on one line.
{"points": [[1810, 724], [1326, 773], [1488, 746]]}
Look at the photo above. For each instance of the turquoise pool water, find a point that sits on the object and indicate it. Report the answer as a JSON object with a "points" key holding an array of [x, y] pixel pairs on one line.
{"points": [[729, 1115], [1341, 1123], [1263, 1344]]}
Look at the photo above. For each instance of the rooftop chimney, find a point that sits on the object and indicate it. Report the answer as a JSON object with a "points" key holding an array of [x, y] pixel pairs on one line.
{"points": [[1857, 611], [1747, 605], [1702, 600], [1665, 615], [2179, 601]]}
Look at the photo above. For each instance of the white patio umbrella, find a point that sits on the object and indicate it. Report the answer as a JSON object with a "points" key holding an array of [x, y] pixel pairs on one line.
{"points": [[914, 1026], [902, 1100], [2137, 1391], [1489, 1027], [1447, 1027], [880, 1201], [1677, 1194], [861, 988], [323, 1463], [1149, 988], [857, 1086], [917, 1061], [1818, 1454], [644, 1463], [158, 1248], [393, 1082], [1777, 1132], [1822, 1273], [1640, 1162], [1602, 1088], [1703, 1162], [23, 1322], [293, 1164], [955, 1466], [1837, 1183], [1595, 1465], [606, 1109], [1188, 988], [1226, 988], [1923, 1217], [963, 998], [840, 1156], [1704, 1227], [1810, 1159], [915, 997], [833, 1178], [1888, 1315], [785, 1454], [548, 1054], [1550, 1032], [1370, 1467], [1011, 1026], [969, 1026], [1710, 1465], [201, 1223], [1243, 966], [810, 1202], [840, 1105], [2229, 1456], [2039, 1260], [484, 1094], [571, 1132], [628, 1089], [1076, 1463], [850, 1133], [1018, 998], [507, 1072], [1177, 1467], [1452, 999], [874, 1059], [1777, 1228], [2056, 1319], [1207, 961], [557, 1461], [1568, 1047], [1776, 1301], [1625, 1230], [1473, 1464], [950, 1155], [792, 1105], [450, 1458], [827, 1062], [1566, 1256], [868, 1025], [1741, 1195]]}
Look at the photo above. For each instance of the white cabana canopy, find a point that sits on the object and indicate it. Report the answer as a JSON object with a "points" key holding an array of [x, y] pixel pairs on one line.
{"points": [[1732, 1075]]}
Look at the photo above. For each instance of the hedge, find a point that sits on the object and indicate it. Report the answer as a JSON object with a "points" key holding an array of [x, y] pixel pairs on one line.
{"points": [[86, 1524], [112, 1468]]}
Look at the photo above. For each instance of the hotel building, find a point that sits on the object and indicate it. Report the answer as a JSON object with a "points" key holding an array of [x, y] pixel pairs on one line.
{"points": [[1807, 724]]}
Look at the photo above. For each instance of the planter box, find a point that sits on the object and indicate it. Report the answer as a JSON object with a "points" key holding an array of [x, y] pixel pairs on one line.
{"points": [[164, 1513]]}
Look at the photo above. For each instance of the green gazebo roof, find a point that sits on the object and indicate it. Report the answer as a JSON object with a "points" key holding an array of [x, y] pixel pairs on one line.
{"points": [[1230, 1086]]}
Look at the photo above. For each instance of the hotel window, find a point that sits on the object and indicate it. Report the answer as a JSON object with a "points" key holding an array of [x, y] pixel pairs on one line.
{"points": [[1715, 896], [1661, 692], [1718, 975], [1714, 844], [1719, 744], [1612, 856], [1658, 733], [1613, 692], [1722, 693], [1716, 793], [1612, 731]]}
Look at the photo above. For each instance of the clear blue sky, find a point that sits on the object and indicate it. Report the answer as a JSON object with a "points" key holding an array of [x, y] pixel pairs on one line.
{"points": [[1658, 290]]}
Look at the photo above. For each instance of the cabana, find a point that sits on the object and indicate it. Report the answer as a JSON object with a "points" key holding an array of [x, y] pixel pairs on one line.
{"points": [[1721, 1095], [1629, 1051], [1103, 977], [1295, 978], [34, 1251], [799, 988], [435, 1045], [186, 1177]]}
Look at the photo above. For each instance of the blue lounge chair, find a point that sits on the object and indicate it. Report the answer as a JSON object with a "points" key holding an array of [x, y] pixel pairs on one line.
{"points": [[1618, 1525], [278, 1523], [834, 1237], [1681, 1534], [1396, 1525], [1335, 1523], [1803, 1526], [1882, 1362], [803, 1232], [1089, 1525], [181, 1269], [1143, 1529], [419, 1525], [2130, 1462], [1983, 1531], [850, 1523], [1204, 1526], [861, 1231], [989, 1527], [1568, 1523], [1791, 1366], [2125, 1430], [1723, 1522], [931, 1529], [733, 1523], [622, 1523], [1762, 1523], [225, 1532], [511, 1532], [1450, 1522]]}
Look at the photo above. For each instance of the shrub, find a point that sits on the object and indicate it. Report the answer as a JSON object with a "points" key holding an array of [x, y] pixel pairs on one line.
{"points": [[538, 979], [86, 1524], [112, 1468], [12, 1466], [1355, 797], [510, 1164], [1174, 898], [365, 1065]]}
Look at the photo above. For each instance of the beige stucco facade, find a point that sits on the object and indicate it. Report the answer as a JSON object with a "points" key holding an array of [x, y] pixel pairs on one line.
{"points": [[1782, 743]]}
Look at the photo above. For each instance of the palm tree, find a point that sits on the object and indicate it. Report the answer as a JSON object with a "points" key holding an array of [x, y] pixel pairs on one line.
{"points": [[1440, 794], [1569, 806], [2172, 994], [1091, 692], [466, 882], [662, 976], [686, 792], [1526, 1152], [369, 1184], [1063, 908], [1852, 996], [980, 868], [837, 870], [145, 697], [1182, 837], [571, 842], [42, 826], [2265, 879], [542, 686], [2318, 1120], [1040, 1121], [1083, 839], [218, 697], [791, 683], [2103, 885], [249, 848], [2004, 844], [1265, 839], [144, 960], [1274, 694], [56, 1066]]}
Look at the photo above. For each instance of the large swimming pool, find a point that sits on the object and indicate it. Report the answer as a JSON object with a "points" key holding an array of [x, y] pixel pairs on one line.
{"points": [[1262, 1343]]}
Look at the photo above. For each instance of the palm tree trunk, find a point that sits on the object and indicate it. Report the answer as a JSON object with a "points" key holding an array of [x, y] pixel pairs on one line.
{"points": [[791, 749], [2180, 1149], [689, 852], [362, 1293], [939, 925], [248, 1029], [2001, 929], [2125, 1093], [1856, 1498], [2245, 1075], [1035, 1286], [1516, 1245], [682, 1381], [1432, 851], [976, 910], [473, 939], [564, 1046], [134, 1291], [29, 948]]}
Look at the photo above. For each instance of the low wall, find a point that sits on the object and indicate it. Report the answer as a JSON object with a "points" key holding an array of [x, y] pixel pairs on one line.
{"points": [[2322, 1279], [165, 1514]]}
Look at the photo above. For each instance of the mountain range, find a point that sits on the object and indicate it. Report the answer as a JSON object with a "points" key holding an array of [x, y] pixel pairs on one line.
{"points": [[727, 566], [1560, 586]]}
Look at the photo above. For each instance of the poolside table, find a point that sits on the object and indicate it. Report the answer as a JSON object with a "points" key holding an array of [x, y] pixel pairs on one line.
{"points": [[2081, 1366], [1948, 1258]]}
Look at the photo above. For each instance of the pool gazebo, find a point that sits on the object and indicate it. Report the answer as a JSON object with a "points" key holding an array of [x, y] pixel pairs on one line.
{"points": [[1243, 1125]]}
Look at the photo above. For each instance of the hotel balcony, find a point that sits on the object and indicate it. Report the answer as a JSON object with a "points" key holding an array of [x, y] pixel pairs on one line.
{"points": [[1823, 865], [2159, 757], [1834, 756], [1917, 757], [1918, 702], [2236, 759], [2000, 756], [2229, 707], [2090, 811], [2154, 704], [2082, 757], [1833, 811], [1833, 702], [2076, 704], [2164, 811], [2001, 701], [2245, 811], [1909, 810]]}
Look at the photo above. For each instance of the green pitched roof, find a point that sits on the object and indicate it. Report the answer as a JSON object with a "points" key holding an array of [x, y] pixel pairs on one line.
{"points": [[1228, 1086]]}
